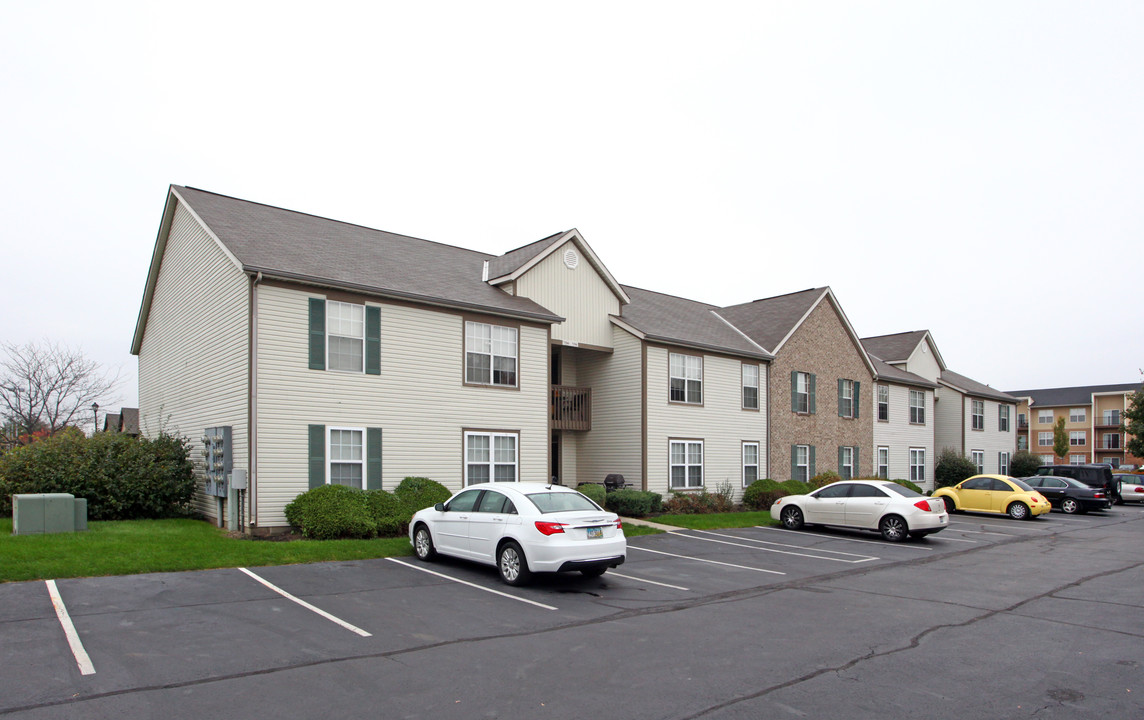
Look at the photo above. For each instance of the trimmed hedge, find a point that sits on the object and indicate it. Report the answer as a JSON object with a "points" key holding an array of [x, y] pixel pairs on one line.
{"points": [[824, 478], [122, 477], [596, 492], [421, 492], [634, 503], [796, 487], [761, 494], [907, 484], [335, 511]]}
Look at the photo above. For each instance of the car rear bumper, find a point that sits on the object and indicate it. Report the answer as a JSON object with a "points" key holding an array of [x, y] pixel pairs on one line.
{"points": [[558, 556], [928, 522], [570, 565], [1095, 504]]}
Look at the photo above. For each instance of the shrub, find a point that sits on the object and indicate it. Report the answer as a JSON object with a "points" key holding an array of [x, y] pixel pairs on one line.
{"points": [[390, 514], [332, 511], [796, 487], [906, 484], [421, 492], [1024, 463], [824, 478], [595, 491], [698, 503], [121, 477], [761, 494], [952, 467], [634, 503]]}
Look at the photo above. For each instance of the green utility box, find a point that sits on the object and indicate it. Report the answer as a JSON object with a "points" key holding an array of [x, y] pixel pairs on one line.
{"points": [[35, 514]]}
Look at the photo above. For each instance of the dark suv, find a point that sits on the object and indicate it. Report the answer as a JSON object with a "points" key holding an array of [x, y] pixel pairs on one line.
{"points": [[1096, 476]]}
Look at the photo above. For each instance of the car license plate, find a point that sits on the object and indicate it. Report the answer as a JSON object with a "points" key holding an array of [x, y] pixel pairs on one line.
{"points": [[943, 521], [595, 532]]}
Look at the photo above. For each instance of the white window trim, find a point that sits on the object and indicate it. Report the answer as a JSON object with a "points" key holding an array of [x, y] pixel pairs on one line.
{"points": [[1044, 417], [757, 464], [1078, 437], [1002, 418], [847, 463], [330, 334], [977, 457], [802, 392], [918, 408], [920, 476], [880, 466], [1078, 415], [492, 461], [691, 363], [746, 386], [687, 464], [977, 419], [330, 462], [492, 355], [1003, 462], [883, 402], [848, 397], [1044, 439], [805, 450]]}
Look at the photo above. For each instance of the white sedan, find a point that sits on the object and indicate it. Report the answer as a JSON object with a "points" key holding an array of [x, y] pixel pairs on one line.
{"points": [[521, 528], [1130, 487], [891, 509]]}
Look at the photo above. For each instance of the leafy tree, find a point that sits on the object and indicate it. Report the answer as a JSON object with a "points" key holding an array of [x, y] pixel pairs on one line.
{"points": [[49, 387], [1133, 423], [952, 467], [1024, 464], [1060, 438]]}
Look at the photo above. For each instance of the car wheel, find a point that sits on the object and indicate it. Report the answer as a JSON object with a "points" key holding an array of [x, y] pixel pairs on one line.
{"points": [[593, 572], [791, 518], [893, 528], [1019, 511], [423, 544], [512, 565], [1119, 498], [1070, 506], [950, 505]]}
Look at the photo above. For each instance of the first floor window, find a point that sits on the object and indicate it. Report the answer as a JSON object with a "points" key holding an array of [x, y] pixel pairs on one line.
{"points": [[1044, 439], [978, 414], [346, 458], [686, 464], [917, 407], [801, 463], [917, 465], [686, 378], [345, 336], [978, 457], [1003, 419], [750, 463], [1076, 437], [1046, 459], [1078, 459], [751, 387], [884, 462], [1003, 463], [490, 354], [883, 402], [846, 462], [490, 457]]}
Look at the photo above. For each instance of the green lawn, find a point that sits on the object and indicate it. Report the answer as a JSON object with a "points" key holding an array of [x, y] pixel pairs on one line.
{"points": [[714, 521]]}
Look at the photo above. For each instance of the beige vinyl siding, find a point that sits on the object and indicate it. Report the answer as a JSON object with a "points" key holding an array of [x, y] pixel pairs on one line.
{"points": [[990, 440], [948, 419], [579, 295], [193, 357], [923, 362], [614, 444], [720, 422], [899, 435], [419, 400]]}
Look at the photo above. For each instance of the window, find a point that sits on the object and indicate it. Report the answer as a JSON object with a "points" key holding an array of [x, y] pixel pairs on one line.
{"points": [[800, 462], [1044, 439], [1111, 417], [490, 457], [1076, 437], [494, 502], [1022, 421], [883, 402], [848, 398], [978, 457], [1111, 441], [750, 463], [686, 464], [802, 392], [346, 458], [917, 407], [978, 414], [1022, 442], [884, 462], [686, 378], [345, 336], [751, 387], [1003, 419], [1078, 459], [1076, 415], [1045, 417], [1046, 459], [917, 465], [846, 462], [490, 354], [1003, 463]]}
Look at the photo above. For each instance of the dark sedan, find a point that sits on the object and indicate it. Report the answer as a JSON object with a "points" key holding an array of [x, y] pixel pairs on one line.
{"points": [[1071, 496]]}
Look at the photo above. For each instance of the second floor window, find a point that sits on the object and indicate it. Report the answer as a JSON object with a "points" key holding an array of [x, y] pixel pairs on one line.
{"points": [[1111, 417], [917, 407], [751, 387], [1003, 419], [848, 398], [883, 402], [490, 354], [345, 336], [978, 414], [1076, 437], [1044, 439], [686, 378], [802, 392], [1111, 441]]}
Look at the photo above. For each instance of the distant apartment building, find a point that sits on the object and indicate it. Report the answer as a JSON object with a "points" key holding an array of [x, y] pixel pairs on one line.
{"points": [[1093, 415]]}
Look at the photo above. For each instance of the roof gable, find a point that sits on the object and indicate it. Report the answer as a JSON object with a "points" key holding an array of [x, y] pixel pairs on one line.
{"points": [[899, 348], [515, 263]]}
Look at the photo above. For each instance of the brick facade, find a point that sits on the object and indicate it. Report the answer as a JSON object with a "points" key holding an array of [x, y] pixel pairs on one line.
{"points": [[822, 346]]}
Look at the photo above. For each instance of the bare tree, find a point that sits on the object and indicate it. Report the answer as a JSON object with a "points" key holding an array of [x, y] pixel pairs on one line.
{"points": [[47, 386]]}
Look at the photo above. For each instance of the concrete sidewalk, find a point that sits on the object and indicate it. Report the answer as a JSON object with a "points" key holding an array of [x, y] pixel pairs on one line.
{"points": [[649, 523]]}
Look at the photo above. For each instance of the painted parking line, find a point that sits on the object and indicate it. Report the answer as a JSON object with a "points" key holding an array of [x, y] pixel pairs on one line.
{"points": [[699, 559], [650, 582], [472, 585], [880, 543], [76, 645], [308, 606], [808, 552]]}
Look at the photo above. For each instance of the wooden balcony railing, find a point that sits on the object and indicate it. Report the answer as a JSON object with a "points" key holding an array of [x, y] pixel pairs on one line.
{"points": [[571, 408]]}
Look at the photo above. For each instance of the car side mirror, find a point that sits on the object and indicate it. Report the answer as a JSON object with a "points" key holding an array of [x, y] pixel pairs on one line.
{"points": [[439, 507]]}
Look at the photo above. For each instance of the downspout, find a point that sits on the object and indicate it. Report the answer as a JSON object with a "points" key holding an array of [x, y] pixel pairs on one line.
{"points": [[767, 474], [252, 403]]}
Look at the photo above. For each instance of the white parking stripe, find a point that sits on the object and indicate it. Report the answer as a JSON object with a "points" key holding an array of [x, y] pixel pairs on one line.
{"points": [[981, 532], [81, 658], [651, 582], [713, 562], [308, 606], [472, 585], [845, 539], [810, 552]]}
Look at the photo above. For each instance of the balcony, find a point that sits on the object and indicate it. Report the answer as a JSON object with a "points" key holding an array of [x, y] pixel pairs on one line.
{"points": [[570, 408], [1108, 421]]}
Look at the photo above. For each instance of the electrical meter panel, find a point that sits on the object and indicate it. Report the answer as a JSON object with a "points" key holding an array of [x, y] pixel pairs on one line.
{"points": [[218, 453]]}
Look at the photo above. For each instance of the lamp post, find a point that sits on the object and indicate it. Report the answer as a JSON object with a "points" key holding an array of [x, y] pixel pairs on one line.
{"points": [[95, 415]]}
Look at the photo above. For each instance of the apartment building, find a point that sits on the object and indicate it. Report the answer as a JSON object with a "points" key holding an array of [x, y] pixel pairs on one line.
{"points": [[1093, 415]]}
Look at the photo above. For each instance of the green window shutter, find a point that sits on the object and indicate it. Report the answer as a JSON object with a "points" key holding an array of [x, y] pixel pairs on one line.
{"points": [[811, 385], [857, 471], [794, 462], [373, 458], [840, 459], [857, 391], [317, 456], [813, 469], [317, 334], [372, 340], [840, 397], [794, 391]]}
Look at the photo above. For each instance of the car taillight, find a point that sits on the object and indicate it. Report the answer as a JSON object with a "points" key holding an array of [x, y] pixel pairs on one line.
{"points": [[549, 528], [1139, 489], [1098, 494], [923, 505], [619, 524]]}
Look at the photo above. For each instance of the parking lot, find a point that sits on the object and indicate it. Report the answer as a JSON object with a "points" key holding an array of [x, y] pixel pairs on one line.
{"points": [[990, 618]]}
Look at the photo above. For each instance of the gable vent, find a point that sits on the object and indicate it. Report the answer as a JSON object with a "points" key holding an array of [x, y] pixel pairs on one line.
{"points": [[571, 259]]}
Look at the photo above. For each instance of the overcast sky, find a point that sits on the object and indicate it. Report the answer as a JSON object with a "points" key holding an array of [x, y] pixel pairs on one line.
{"points": [[971, 168]]}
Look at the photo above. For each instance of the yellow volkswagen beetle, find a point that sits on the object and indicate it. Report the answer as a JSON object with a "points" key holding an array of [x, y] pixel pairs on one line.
{"points": [[999, 494]]}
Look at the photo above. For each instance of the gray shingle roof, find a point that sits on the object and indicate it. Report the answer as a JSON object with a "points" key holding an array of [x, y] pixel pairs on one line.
{"points": [[1080, 395], [129, 420], [889, 373], [972, 387], [770, 320], [293, 245], [678, 321], [513, 260], [894, 348]]}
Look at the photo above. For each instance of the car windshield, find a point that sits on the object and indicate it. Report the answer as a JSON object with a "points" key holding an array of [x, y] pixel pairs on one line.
{"points": [[1021, 484], [551, 502], [900, 489]]}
